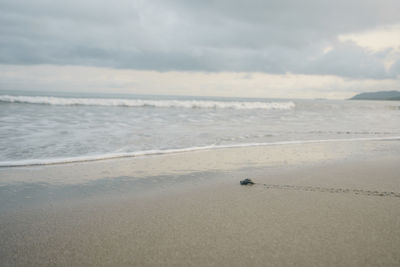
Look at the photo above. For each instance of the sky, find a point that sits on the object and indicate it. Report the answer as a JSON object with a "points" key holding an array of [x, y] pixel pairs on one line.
{"points": [[279, 48]]}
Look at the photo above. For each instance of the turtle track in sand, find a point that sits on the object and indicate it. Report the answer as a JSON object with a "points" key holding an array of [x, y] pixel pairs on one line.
{"points": [[333, 190]]}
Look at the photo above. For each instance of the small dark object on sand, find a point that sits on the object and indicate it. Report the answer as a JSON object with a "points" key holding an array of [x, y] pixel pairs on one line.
{"points": [[246, 182]]}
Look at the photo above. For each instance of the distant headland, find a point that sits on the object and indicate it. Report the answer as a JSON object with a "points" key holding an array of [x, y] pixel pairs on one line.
{"points": [[384, 95]]}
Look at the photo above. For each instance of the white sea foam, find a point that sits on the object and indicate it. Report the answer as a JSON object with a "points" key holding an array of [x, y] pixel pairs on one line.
{"points": [[36, 162], [148, 103]]}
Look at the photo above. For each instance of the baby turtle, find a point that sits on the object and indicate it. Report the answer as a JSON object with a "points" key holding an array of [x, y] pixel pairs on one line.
{"points": [[246, 182]]}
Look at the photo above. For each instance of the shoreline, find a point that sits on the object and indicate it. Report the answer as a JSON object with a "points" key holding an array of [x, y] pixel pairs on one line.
{"points": [[147, 153], [224, 159]]}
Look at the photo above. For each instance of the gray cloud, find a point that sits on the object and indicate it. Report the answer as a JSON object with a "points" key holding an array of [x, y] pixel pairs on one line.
{"points": [[267, 36]]}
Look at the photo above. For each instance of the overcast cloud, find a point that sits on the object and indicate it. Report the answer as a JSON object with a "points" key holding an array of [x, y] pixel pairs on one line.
{"points": [[278, 37]]}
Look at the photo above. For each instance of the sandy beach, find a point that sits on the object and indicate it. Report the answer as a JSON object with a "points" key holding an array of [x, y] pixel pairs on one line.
{"points": [[317, 204]]}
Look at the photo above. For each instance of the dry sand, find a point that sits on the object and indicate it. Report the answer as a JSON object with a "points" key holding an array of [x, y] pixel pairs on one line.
{"points": [[312, 205]]}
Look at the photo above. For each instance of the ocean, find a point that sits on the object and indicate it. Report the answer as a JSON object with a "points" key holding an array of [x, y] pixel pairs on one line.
{"points": [[51, 128]]}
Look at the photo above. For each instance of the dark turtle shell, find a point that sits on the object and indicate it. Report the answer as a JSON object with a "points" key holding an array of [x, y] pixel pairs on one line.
{"points": [[246, 182]]}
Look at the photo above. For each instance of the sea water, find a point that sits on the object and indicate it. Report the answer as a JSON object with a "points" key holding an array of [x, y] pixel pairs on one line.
{"points": [[48, 128]]}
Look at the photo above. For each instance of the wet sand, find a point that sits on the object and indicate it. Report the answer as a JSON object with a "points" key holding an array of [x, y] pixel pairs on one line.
{"points": [[312, 205]]}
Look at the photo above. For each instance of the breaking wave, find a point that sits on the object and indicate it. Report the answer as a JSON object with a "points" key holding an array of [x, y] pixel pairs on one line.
{"points": [[148, 103]]}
